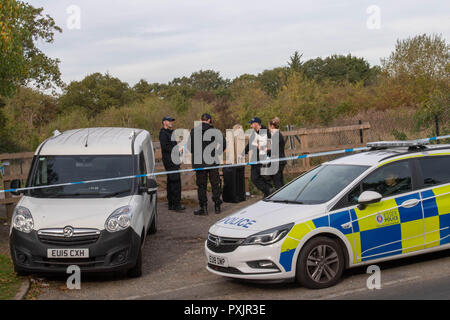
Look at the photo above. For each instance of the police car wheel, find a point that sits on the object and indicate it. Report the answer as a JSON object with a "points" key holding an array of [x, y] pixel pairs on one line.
{"points": [[320, 263]]}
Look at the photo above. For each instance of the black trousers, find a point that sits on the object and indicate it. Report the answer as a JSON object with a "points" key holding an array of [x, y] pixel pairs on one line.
{"points": [[173, 188], [202, 182], [261, 182], [278, 178]]}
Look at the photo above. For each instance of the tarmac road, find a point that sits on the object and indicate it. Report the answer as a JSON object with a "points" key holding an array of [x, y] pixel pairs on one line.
{"points": [[174, 268]]}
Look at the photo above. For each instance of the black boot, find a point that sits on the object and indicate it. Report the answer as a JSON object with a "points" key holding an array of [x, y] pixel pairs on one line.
{"points": [[217, 208], [203, 211], [177, 207]]}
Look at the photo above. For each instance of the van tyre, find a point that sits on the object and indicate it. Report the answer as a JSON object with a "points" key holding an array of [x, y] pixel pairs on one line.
{"points": [[320, 263], [136, 271]]}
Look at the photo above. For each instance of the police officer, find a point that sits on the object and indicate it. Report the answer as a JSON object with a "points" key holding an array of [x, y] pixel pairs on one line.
{"points": [[197, 138], [277, 151], [173, 179], [260, 133]]}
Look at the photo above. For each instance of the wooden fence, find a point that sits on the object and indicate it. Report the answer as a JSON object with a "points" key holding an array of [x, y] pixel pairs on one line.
{"points": [[298, 142]]}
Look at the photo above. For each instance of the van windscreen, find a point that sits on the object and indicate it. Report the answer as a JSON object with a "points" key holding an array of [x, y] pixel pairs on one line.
{"points": [[51, 170]]}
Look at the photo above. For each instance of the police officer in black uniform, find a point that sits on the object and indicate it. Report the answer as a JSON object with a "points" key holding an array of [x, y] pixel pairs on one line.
{"points": [[260, 132], [202, 175], [173, 179]]}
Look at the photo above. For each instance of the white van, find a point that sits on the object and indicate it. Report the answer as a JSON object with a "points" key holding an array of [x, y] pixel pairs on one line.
{"points": [[101, 226]]}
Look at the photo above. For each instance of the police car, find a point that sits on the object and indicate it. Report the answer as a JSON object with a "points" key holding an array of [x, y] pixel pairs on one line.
{"points": [[389, 202]]}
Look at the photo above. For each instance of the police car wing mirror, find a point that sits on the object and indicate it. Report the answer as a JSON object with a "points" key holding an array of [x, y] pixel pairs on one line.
{"points": [[368, 197]]}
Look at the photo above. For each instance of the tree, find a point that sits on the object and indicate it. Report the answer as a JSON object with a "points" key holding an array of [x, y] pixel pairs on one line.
{"points": [[32, 108], [422, 64], [143, 89], [21, 27], [339, 68], [95, 93], [271, 81], [295, 63], [423, 56], [203, 80]]}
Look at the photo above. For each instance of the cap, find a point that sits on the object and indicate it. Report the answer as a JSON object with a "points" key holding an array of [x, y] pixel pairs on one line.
{"points": [[255, 119], [206, 116], [168, 118]]}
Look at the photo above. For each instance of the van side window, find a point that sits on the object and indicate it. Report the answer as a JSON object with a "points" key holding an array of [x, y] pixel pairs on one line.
{"points": [[389, 180], [142, 169], [435, 170]]}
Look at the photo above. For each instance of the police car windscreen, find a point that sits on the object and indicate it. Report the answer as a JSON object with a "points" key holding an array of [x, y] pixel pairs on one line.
{"points": [[318, 185], [50, 170]]}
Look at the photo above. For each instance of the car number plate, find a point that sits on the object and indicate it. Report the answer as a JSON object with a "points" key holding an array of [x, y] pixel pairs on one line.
{"points": [[67, 253], [217, 261]]}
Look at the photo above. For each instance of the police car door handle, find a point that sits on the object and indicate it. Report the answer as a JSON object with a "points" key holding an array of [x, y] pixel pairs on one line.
{"points": [[347, 225], [410, 203]]}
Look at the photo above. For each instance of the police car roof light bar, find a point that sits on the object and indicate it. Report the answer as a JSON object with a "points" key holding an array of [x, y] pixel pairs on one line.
{"points": [[395, 144]]}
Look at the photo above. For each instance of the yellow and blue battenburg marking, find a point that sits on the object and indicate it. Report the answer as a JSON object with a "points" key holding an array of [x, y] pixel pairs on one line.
{"points": [[293, 238], [436, 206], [383, 229]]}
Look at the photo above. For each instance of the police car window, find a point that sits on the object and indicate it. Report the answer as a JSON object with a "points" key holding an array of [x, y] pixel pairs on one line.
{"points": [[318, 185], [435, 170], [350, 199], [389, 180]]}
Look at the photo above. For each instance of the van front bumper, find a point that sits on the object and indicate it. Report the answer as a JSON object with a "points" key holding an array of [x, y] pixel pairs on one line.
{"points": [[111, 252]]}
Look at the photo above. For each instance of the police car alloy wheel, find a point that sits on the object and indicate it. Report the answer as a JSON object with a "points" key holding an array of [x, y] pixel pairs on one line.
{"points": [[320, 263]]}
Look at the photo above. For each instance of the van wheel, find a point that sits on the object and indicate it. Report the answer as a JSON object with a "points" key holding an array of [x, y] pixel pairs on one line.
{"points": [[136, 271], [320, 263], [153, 226]]}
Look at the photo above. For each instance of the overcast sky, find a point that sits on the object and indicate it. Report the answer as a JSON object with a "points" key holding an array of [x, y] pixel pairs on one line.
{"points": [[158, 40]]}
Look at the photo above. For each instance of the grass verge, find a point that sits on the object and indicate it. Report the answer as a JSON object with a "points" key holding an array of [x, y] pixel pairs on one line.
{"points": [[9, 281]]}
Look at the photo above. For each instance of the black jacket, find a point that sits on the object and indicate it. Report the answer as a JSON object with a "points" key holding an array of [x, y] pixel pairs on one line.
{"points": [[280, 146], [167, 145], [191, 147]]}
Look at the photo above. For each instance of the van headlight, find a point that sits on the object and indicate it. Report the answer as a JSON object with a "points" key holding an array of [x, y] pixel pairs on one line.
{"points": [[120, 219], [22, 220], [269, 236]]}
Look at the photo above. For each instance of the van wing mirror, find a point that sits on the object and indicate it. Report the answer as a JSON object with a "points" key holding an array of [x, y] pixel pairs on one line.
{"points": [[368, 197], [15, 184], [152, 186]]}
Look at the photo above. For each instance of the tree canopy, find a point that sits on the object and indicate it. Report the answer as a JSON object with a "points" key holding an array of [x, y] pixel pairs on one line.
{"points": [[95, 93], [22, 63]]}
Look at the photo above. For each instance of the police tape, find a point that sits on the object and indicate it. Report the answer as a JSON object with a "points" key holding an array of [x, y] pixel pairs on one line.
{"points": [[304, 156]]}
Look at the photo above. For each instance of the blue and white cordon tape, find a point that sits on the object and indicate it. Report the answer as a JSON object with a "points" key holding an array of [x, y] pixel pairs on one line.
{"points": [[312, 155]]}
